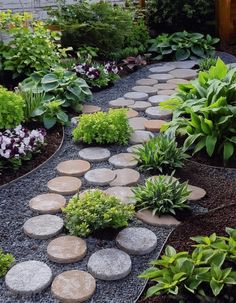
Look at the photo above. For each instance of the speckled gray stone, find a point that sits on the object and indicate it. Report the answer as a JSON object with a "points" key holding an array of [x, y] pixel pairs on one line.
{"points": [[140, 136], [140, 105], [137, 123], [177, 81], [125, 177], [150, 90], [165, 86], [161, 77], [155, 100], [136, 96], [94, 154], [197, 193], [156, 112], [146, 82], [100, 176], [187, 74], [125, 194], [147, 217], [74, 168], [162, 69], [47, 203], [64, 185], [168, 92], [120, 102], [182, 64], [123, 160], [132, 148]]}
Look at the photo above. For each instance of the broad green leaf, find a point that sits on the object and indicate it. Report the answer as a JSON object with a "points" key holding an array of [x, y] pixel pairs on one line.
{"points": [[182, 54], [210, 144], [228, 150]]}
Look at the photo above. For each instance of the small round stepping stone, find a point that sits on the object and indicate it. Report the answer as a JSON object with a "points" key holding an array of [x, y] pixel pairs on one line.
{"points": [[197, 193], [184, 73], [156, 112], [132, 148], [125, 177], [125, 194], [137, 123], [162, 69], [76, 168], [64, 185], [154, 125], [136, 240], [94, 154], [100, 176], [47, 203], [73, 286], [66, 249], [123, 160], [177, 81], [120, 102], [136, 96], [161, 77], [43, 226], [140, 105], [109, 264], [140, 136], [166, 86], [145, 82], [131, 113], [168, 92], [28, 277], [147, 217], [183, 64], [150, 90], [90, 109], [155, 100]]}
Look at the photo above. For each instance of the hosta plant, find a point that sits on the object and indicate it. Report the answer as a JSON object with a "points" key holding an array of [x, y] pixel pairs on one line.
{"points": [[6, 260], [95, 210], [162, 194]]}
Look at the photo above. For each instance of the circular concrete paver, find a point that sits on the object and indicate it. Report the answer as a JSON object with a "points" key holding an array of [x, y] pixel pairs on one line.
{"points": [[168, 92], [155, 100], [94, 154], [165, 86], [47, 203], [125, 177], [120, 102], [162, 69], [140, 136], [136, 96], [123, 160], [64, 185], [183, 64], [90, 109], [137, 123], [147, 81], [147, 217], [140, 105], [109, 264], [150, 90], [100, 176], [156, 112], [73, 286], [123, 193], [132, 148], [178, 81], [154, 125], [161, 77], [75, 168], [197, 193], [28, 277], [132, 113], [184, 73]]}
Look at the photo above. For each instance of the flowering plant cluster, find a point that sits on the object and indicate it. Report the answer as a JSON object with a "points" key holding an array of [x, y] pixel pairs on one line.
{"points": [[19, 144]]}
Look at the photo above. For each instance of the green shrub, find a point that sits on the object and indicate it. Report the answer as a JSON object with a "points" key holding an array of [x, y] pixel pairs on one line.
{"points": [[6, 261], [95, 210], [103, 127], [32, 102], [160, 153], [206, 63], [11, 109], [162, 194]]}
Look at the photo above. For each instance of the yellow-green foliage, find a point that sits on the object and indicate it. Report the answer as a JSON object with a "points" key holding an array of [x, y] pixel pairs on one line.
{"points": [[5, 262]]}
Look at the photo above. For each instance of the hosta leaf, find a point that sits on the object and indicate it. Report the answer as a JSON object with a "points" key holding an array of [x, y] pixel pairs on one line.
{"points": [[182, 54], [198, 50], [228, 150], [210, 144]]}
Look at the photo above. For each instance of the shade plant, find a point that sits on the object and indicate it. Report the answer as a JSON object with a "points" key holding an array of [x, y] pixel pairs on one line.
{"points": [[6, 260]]}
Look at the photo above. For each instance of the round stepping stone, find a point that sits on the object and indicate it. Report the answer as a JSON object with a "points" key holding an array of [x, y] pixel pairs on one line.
{"points": [[155, 112], [76, 168], [150, 90], [125, 177], [140, 105], [66, 249], [43, 226], [132, 148], [168, 92], [155, 100], [166, 86], [94, 154], [125, 194], [161, 77], [28, 277], [147, 217], [131, 113], [109, 264], [90, 109], [100, 176], [47, 203], [137, 123], [73, 286], [120, 102], [123, 160], [146, 82], [136, 240], [140, 136], [154, 125], [162, 69], [177, 81], [184, 73], [64, 185], [197, 193], [183, 64], [136, 96]]}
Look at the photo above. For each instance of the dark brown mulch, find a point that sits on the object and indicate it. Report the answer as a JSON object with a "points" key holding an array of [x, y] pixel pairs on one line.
{"points": [[53, 140]]}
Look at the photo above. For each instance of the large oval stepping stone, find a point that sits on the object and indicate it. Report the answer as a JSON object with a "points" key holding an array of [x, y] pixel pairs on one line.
{"points": [[73, 286], [155, 100], [136, 240], [150, 90], [197, 193], [147, 217], [166, 86], [120, 102], [187, 74], [131, 113], [145, 82], [168, 92], [64, 185], [162, 69], [133, 148], [156, 112], [140, 105], [47, 203], [66, 249], [154, 125], [43, 226], [125, 194], [177, 81], [90, 109], [125, 177], [94, 154], [137, 123], [28, 277], [183, 64], [109, 264], [140, 136], [100, 176], [136, 96], [161, 77], [123, 160], [74, 168]]}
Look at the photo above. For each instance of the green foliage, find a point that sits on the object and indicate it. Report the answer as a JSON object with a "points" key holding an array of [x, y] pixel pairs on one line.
{"points": [[95, 210], [160, 153], [6, 261], [32, 102], [103, 127], [206, 63], [182, 46], [11, 109], [162, 194], [204, 269]]}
